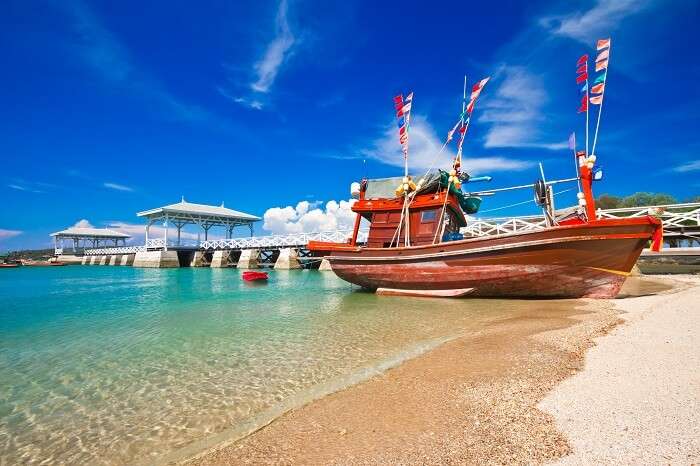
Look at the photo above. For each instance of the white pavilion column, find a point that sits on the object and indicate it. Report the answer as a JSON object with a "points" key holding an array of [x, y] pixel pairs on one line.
{"points": [[165, 234]]}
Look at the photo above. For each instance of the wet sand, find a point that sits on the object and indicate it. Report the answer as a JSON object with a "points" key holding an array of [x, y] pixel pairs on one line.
{"points": [[471, 400]]}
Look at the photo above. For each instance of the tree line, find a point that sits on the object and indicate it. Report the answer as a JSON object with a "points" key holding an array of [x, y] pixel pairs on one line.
{"points": [[640, 199]]}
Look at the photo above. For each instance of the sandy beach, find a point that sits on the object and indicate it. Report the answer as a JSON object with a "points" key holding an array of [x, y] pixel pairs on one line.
{"points": [[523, 390]]}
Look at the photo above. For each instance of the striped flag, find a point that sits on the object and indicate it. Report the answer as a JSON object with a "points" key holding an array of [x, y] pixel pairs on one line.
{"points": [[601, 65], [476, 90], [603, 44], [603, 55], [403, 115], [597, 99]]}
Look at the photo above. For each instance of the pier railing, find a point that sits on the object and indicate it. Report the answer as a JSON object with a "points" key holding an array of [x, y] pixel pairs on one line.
{"points": [[282, 241], [678, 219], [114, 250]]}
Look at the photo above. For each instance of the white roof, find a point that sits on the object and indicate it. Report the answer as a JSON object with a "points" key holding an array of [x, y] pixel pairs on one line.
{"points": [[199, 210], [91, 232]]}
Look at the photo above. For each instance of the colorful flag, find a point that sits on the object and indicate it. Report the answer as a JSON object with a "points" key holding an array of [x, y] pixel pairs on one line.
{"points": [[600, 78], [582, 60], [572, 141], [584, 105], [603, 55], [585, 87], [598, 88], [601, 65], [403, 114], [476, 90], [581, 78], [603, 44], [582, 69], [597, 99]]}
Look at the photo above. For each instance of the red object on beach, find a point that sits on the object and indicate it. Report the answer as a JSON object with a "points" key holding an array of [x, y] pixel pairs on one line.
{"points": [[254, 276]]}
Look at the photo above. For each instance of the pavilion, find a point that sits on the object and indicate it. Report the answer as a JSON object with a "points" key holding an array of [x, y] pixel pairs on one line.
{"points": [[92, 237], [188, 213]]}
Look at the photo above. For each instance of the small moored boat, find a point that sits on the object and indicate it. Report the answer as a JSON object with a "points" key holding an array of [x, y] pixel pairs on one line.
{"points": [[252, 276]]}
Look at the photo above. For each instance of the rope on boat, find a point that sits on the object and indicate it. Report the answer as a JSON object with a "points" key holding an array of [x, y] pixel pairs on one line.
{"points": [[522, 203]]}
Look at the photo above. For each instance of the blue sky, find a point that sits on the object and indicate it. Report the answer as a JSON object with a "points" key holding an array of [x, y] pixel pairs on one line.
{"points": [[109, 108]]}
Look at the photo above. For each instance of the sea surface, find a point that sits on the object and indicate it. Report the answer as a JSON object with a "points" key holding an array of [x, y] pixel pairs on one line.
{"points": [[122, 365]]}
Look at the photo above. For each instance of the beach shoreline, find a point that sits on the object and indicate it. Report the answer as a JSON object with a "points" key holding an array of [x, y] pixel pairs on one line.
{"points": [[446, 404]]}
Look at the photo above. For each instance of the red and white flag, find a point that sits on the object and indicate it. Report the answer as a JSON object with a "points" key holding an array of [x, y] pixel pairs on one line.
{"points": [[582, 60], [603, 55], [603, 44], [476, 90], [601, 65], [597, 99], [598, 88]]}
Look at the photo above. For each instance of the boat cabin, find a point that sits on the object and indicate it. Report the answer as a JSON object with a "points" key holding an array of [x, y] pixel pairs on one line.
{"points": [[384, 215]]}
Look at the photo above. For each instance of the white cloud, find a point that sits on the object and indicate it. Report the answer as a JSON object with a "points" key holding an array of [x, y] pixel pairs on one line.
{"points": [[306, 217], [595, 23], [23, 188], [267, 68], [688, 167], [6, 234], [424, 147], [516, 111], [118, 187], [84, 223]]}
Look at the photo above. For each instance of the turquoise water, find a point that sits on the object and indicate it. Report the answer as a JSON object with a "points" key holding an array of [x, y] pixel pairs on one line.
{"points": [[120, 365]]}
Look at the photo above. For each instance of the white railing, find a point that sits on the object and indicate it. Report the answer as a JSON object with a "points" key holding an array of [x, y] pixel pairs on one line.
{"points": [[114, 250], [155, 243], [283, 241], [673, 216]]}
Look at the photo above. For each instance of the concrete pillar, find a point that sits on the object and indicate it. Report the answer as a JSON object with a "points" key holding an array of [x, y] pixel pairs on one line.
{"points": [[156, 259], [113, 259], [288, 259], [85, 260], [103, 260], [221, 259], [199, 260], [249, 259], [325, 265], [127, 259]]}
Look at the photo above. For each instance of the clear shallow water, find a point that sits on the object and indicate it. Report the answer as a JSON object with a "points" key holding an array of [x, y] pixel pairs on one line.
{"points": [[117, 365]]}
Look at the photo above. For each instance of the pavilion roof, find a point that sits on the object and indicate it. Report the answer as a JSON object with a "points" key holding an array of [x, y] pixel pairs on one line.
{"points": [[91, 233], [184, 208]]}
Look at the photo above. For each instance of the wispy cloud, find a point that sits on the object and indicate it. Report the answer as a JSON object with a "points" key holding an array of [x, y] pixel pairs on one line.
{"points": [[24, 188], [516, 110], [6, 234], [100, 49], [424, 147], [599, 21], [117, 187], [267, 68], [688, 167]]}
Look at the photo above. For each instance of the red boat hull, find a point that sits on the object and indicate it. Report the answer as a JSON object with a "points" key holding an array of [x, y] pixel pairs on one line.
{"points": [[585, 260]]}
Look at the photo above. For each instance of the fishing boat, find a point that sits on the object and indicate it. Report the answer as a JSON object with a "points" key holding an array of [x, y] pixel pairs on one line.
{"points": [[414, 246], [252, 276]]}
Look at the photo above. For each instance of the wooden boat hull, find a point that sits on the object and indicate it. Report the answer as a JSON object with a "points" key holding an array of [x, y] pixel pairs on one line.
{"points": [[572, 261]]}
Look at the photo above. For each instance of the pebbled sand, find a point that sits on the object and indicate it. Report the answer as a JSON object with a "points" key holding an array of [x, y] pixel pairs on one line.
{"points": [[490, 398], [638, 399]]}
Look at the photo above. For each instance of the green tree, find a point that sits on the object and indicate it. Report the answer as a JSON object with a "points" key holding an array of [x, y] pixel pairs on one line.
{"points": [[608, 201], [642, 199]]}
